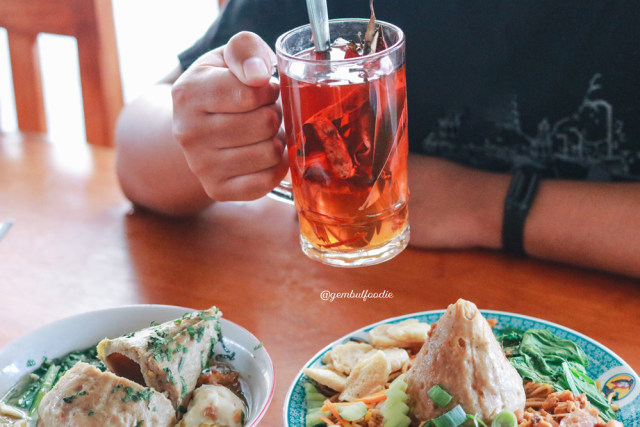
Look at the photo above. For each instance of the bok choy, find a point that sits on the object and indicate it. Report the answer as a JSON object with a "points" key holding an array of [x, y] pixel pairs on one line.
{"points": [[540, 356]]}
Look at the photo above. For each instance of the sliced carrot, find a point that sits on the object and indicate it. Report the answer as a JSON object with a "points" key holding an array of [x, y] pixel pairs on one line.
{"points": [[331, 407], [373, 398]]}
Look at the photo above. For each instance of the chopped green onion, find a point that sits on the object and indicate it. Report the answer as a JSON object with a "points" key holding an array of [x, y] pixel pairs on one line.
{"points": [[439, 396], [476, 420], [453, 418], [505, 419], [47, 384]]}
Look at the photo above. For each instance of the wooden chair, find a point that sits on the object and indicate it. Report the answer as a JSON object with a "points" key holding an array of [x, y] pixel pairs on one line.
{"points": [[91, 23]]}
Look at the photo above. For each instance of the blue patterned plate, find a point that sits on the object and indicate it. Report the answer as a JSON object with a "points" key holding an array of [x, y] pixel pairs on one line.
{"points": [[613, 373]]}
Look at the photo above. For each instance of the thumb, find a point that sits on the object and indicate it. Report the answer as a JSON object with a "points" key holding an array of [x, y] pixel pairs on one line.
{"points": [[249, 58]]}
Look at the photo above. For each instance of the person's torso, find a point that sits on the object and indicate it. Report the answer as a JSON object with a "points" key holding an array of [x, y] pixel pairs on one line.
{"points": [[498, 83]]}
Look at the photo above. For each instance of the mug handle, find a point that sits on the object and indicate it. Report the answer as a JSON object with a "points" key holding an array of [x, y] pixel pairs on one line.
{"points": [[282, 192]]}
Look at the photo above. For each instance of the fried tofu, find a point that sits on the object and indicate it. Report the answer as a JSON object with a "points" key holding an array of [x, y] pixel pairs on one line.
{"points": [[408, 333], [368, 376]]}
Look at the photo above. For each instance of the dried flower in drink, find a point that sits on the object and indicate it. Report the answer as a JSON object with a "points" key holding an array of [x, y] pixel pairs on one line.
{"points": [[373, 37], [373, 40]]}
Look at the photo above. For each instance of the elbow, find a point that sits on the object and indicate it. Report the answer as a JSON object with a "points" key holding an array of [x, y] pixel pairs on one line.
{"points": [[150, 165], [144, 194], [153, 184]]}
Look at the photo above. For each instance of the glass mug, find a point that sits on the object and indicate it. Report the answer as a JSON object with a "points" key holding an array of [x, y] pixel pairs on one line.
{"points": [[346, 129]]}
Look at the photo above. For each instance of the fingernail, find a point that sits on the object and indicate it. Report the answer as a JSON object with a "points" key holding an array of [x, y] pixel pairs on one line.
{"points": [[255, 68]]}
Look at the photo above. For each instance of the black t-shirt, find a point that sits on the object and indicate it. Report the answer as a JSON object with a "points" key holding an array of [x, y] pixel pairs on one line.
{"points": [[495, 84]]}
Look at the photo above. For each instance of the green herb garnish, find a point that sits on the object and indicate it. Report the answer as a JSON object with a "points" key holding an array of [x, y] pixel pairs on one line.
{"points": [[71, 398], [132, 395], [184, 387], [170, 377]]}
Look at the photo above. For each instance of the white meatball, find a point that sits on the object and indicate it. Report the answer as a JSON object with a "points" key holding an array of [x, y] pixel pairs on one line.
{"points": [[214, 405]]}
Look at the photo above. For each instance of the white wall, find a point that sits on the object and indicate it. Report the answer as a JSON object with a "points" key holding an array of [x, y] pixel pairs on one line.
{"points": [[150, 33]]}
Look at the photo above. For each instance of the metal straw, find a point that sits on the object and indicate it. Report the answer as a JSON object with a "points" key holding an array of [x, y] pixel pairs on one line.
{"points": [[4, 228], [319, 19]]}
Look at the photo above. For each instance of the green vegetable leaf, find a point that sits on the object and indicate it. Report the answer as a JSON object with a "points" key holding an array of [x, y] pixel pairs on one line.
{"points": [[540, 356]]}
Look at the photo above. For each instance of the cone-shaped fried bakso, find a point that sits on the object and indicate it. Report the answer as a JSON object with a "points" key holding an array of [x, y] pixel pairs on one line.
{"points": [[463, 357]]}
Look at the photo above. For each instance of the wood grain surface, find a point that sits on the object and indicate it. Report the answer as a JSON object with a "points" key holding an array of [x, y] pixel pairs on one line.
{"points": [[77, 245]]}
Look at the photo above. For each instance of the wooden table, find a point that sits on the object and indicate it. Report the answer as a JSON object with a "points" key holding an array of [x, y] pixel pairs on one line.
{"points": [[76, 245]]}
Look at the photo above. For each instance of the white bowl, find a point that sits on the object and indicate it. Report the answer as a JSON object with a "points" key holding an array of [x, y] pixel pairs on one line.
{"points": [[87, 329]]}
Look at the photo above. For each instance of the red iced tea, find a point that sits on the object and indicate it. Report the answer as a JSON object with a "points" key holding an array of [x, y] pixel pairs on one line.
{"points": [[348, 146]]}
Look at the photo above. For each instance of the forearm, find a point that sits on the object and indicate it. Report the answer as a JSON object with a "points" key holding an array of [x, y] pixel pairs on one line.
{"points": [[150, 163], [452, 206], [595, 225]]}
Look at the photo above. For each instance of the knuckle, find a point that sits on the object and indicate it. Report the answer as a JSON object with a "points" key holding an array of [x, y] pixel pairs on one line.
{"points": [[260, 127], [180, 132], [184, 132], [220, 193], [197, 168], [271, 119], [214, 189], [274, 152], [265, 123], [217, 195], [256, 191], [179, 91], [212, 193], [247, 98]]}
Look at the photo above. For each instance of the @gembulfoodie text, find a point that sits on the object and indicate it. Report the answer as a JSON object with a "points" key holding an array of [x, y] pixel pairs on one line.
{"points": [[362, 295]]}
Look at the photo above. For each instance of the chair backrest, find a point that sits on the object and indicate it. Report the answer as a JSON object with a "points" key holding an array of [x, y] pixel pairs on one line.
{"points": [[91, 23]]}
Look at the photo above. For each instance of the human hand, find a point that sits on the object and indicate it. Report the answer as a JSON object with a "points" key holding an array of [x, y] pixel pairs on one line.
{"points": [[227, 119]]}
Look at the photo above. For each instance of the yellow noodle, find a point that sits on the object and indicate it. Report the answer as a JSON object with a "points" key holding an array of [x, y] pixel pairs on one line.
{"points": [[537, 390]]}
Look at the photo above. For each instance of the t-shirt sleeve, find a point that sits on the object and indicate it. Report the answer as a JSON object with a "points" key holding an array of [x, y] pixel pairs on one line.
{"points": [[200, 47], [266, 18]]}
